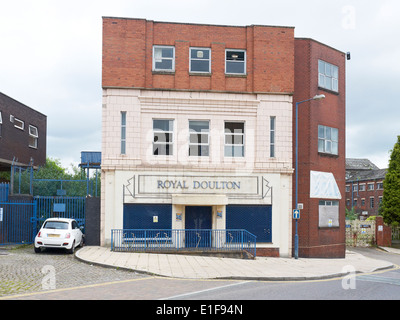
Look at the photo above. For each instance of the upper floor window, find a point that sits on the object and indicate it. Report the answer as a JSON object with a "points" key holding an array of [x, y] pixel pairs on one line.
{"points": [[199, 140], [234, 139], [19, 124], [371, 186], [200, 60], [328, 140], [123, 132], [163, 58], [328, 76], [33, 137], [272, 137], [163, 137], [235, 61]]}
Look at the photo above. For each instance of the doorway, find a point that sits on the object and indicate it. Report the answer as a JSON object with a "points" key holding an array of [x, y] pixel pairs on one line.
{"points": [[198, 225]]}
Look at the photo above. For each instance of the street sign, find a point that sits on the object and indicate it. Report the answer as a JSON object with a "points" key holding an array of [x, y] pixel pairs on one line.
{"points": [[296, 214]]}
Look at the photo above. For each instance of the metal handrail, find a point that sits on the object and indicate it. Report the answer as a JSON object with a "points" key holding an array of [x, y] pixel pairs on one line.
{"points": [[200, 240]]}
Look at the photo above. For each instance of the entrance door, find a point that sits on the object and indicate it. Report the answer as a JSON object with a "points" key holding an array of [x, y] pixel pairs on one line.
{"points": [[198, 226]]}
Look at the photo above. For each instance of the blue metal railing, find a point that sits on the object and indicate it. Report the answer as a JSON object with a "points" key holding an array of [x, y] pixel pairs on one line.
{"points": [[16, 222], [4, 191], [167, 240]]}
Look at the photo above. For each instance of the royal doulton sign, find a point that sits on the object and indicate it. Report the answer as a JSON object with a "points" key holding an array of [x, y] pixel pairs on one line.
{"points": [[196, 184], [239, 186]]}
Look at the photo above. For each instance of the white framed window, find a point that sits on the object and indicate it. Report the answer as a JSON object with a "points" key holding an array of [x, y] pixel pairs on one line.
{"points": [[19, 124], [1, 122], [199, 138], [329, 203], [234, 139], [371, 186], [371, 202], [33, 137], [123, 132], [328, 140], [235, 61], [328, 76], [272, 137], [362, 187], [164, 58], [163, 137], [200, 60]]}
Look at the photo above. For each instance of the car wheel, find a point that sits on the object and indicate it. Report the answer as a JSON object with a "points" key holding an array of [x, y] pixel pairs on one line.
{"points": [[82, 242], [71, 251], [37, 250]]}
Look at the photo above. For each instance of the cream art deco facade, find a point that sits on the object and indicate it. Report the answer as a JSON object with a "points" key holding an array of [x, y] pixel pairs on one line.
{"points": [[196, 134], [182, 181]]}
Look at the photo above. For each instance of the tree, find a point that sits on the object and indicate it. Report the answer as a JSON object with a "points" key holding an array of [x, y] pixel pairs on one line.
{"points": [[52, 170], [351, 214], [390, 209]]}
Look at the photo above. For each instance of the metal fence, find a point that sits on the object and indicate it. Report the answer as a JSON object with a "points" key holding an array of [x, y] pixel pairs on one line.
{"points": [[193, 240], [4, 190], [16, 222], [62, 207], [396, 233]]}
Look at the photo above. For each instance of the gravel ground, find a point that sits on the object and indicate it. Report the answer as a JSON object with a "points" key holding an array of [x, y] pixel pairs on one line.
{"points": [[23, 271]]}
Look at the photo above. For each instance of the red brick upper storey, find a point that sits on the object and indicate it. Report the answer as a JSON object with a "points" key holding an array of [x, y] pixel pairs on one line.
{"points": [[128, 56]]}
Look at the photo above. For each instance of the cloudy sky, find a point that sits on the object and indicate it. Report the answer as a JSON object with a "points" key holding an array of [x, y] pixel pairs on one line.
{"points": [[50, 59]]}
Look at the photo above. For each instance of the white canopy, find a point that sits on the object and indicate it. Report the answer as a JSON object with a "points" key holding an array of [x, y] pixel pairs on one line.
{"points": [[323, 186]]}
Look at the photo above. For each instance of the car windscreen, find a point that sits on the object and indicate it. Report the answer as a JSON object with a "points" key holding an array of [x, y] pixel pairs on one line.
{"points": [[61, 225]]}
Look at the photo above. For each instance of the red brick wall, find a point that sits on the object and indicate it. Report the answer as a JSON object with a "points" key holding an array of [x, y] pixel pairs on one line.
{"points": [[313, 240], [127, 56]]}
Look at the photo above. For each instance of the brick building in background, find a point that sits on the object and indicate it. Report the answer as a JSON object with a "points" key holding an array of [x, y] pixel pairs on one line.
{"points": [[198, 131], [364, 187], [22, 135]]}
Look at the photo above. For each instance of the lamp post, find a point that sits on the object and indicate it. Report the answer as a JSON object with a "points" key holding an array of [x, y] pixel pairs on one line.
{"points": [[296, 237]]}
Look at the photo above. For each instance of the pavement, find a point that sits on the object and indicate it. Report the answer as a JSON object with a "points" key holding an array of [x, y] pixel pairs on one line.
{"points": [[261, 268]]}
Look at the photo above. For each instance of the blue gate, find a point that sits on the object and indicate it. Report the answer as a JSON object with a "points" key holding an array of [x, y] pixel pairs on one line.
{"points": [[16, 222], [61, 207], [4, 190]]}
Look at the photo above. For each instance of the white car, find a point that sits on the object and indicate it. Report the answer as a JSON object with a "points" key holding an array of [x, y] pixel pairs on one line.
{"points": [[59, 233]]}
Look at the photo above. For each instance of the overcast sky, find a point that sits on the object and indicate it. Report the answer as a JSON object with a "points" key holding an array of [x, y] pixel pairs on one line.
{"points": [[50, 59]]}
